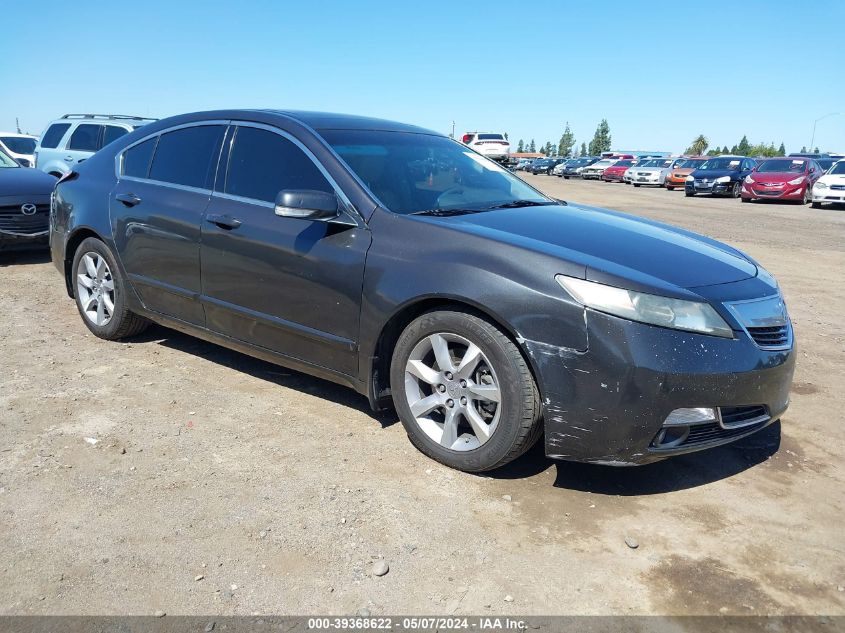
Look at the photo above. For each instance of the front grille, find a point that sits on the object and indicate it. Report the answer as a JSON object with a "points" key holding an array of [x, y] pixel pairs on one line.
{"points": [[772, 336], [764, 192], [14, 221], [705, 433], [738, 416], [837, 187]]}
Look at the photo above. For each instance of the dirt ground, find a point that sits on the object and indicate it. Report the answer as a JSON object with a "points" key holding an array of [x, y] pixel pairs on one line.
{"points": [[170, 474]]}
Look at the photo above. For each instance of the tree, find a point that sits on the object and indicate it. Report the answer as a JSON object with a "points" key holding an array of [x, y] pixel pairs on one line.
{"points": [[713, 152], [725, 150], [699, 145], [583, 149], [520, 147], [506, 136], [532, 147], [601, 139], [782, 149], [744, 147], [567, 142], [550, 149]]}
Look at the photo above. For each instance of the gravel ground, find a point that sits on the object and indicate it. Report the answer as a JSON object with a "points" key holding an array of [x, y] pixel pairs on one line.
{"points": [[168, 474]]}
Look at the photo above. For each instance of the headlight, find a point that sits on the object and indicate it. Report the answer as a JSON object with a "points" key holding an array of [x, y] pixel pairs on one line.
{"points": [[723, 179], [820, 185], [797, 181], [690, 178], [749, 179], [692, 316]]}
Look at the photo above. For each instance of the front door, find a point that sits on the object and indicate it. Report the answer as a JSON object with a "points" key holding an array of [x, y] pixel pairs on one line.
{"points": [[286, 284]]}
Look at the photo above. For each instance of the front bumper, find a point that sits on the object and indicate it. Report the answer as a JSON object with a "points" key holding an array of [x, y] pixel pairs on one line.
{"points": [[607, 405], [714, 188], [22, 242], [612, 177], [833, 196], [762, 192]]}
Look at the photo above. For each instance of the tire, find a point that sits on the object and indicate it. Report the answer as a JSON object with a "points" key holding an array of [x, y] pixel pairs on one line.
{"points": [[510, 427], [670, 188], [736, 190], [636, 185], [816, 205], [98, 282], [808, 196], [689, 194], [746, 199]]}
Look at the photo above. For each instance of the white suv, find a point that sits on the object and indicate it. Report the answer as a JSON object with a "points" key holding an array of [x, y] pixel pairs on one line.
{"points": [[75, 137], [492, 145]]}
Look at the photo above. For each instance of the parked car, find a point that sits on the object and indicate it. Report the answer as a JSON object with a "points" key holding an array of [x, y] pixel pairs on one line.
{"points": [[75, 137], [652, 171], [830, 188], [677, 176], [616, 171], [24, 205], [594, 171], [721, 175], [492, 145], [826, 162], [233, 226], [21, 147], [574, 170], [545, 166], [782, 179], [558, 170]]}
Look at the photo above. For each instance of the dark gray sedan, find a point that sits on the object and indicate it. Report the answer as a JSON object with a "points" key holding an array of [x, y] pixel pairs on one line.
{"points": [[403, 264]]}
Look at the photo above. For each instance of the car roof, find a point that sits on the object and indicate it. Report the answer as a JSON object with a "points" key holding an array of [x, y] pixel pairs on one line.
{"points": [[335, 121], [17, 135]]}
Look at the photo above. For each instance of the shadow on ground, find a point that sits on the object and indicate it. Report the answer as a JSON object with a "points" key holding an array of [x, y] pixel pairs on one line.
{"points": [[677, 473], [23, 258]]}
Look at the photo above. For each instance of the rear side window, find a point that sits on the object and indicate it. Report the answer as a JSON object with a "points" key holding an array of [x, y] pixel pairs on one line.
{"points": [[136, 160], [112, 133], [85, 138], [53, 135], [187, 156], [262, 164]]}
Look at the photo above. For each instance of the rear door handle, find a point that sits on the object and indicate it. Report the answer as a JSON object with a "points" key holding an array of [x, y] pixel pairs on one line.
{"points": [[224, 221], [129, 199]]}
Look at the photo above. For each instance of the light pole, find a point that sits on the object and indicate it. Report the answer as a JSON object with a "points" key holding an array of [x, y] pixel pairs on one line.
{"points": [[813, 140]]}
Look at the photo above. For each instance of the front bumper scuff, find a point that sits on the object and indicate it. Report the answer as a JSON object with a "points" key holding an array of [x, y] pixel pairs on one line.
{"points": [[607, 404]]}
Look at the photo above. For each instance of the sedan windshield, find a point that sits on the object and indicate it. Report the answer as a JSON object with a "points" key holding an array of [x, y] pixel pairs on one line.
{"points": [[782, 165], [7, 161], [19, 144], [411, 173], [721, 163]]}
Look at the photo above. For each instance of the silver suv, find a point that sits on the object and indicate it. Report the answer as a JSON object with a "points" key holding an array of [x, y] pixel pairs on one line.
{"points": [[75, 137]]}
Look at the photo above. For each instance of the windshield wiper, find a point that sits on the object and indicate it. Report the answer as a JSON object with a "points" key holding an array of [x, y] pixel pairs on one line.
{"points": [[516, 204], [446, 212]]}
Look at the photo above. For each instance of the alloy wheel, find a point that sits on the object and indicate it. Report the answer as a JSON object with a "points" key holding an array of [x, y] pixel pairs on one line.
{"points": [[95, 288], [452, 391]]}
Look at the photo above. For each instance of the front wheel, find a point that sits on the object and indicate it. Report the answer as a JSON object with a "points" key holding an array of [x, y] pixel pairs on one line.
{"points": [[100, 293], [463, 391], [736, 190], [808, 196], [689, 194], [816, 205]]}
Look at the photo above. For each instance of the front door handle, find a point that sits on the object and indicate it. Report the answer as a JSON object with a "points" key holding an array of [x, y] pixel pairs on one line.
{"points": [[129, 199], [224, 221], [68, 159]]}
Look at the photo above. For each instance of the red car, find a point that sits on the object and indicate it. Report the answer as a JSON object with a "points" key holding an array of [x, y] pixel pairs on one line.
{"points": [[787, 178], [615, 172]]}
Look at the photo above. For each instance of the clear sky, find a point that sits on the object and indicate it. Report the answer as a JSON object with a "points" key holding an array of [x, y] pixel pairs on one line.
{"points": [[660, 72]]}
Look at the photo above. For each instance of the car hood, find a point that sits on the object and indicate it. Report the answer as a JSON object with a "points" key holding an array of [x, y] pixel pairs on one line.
{"points": [[775, 176], [682, 171], [613, 247], [650, 170], [832, 179], [16, 181], [712, 174]]}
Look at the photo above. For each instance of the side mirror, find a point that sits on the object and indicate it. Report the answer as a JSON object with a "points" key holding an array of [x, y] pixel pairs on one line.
{"points": [[306, 204]]}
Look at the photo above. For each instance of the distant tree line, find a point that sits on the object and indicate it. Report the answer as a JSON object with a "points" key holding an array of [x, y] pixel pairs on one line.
{"points": [[568, 146], [700, 145]]}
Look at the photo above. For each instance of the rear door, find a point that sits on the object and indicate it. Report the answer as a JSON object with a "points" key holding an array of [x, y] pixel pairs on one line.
{"points": [[156, 207], [83, 141], [290, 285]]}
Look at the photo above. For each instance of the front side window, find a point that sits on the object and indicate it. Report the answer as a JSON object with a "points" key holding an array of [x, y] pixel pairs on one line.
{"points": [[187, 156], [53, 135], [412, 173], [136, 160], [112, 133], [85, 138], [262, 164]]}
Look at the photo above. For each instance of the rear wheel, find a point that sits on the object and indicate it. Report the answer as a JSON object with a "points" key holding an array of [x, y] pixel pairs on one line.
{"points": [[670, 188], [746, 199], [463, 391], [100, 293]]}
